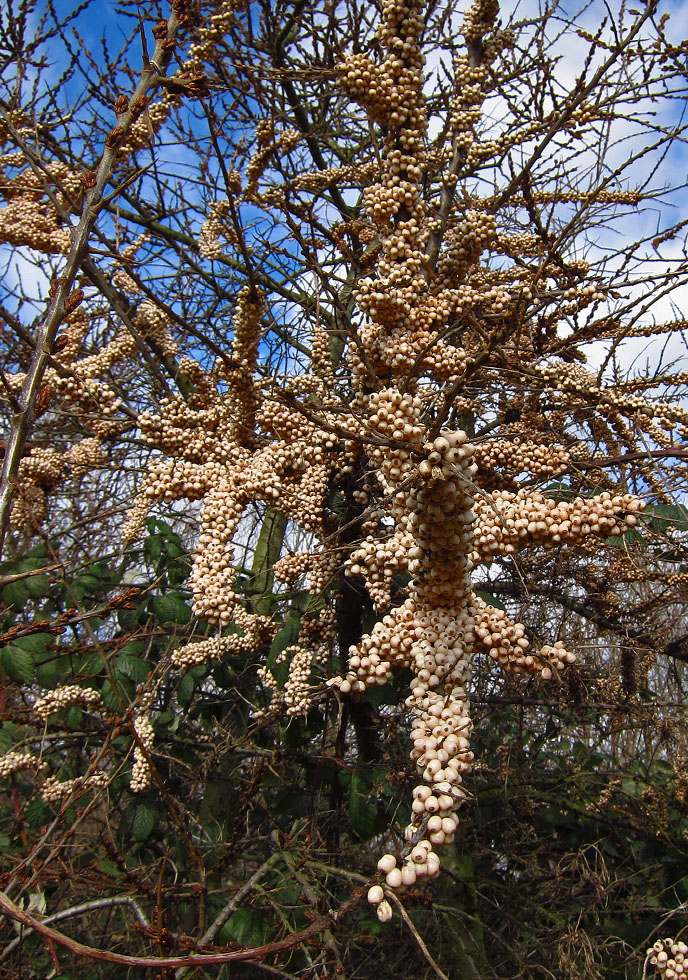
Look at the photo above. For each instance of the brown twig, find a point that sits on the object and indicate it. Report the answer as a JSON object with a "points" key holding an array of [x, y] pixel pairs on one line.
{"points": [[416, 935], [160, 962], [62, 286]]}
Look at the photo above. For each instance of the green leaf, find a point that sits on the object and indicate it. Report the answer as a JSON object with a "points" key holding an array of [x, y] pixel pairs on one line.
{"points": [[170, 608], [362, 810], [37, 586], [178, 572], [490, 599], [110, 699], [18, 663], [143, 822], [110, 868], [135, 668], [34, 642], [16, 594], [5, 740], [627, 539], [36, 813], [125, 684], [4, 842], [247, 927], [166, 719], [86, 584], [559, 491], [660, 517], [74, 716], [154, 524], [152, 548], [380, 694], [223, 676], [134, 647], [371, 924], [46, 672], [286, 637], [185, 690]]}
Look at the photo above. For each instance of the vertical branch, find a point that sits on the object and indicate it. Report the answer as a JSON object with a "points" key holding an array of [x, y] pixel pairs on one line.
{"points": [[63, 300]]}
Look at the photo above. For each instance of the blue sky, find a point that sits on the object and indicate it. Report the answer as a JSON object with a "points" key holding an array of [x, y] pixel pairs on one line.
{"points": [[103, 18]]}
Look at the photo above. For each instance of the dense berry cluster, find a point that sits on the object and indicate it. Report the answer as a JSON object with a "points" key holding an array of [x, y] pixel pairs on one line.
{"points": [[506, 643], [670, 957], [55, 791], [508, 521], [141, 770], [15, 761], [65, 697], [427, 503]]}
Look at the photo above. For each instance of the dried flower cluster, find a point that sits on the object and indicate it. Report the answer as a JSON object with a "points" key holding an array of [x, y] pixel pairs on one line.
{"points": [[237, 442], [411, 407]]}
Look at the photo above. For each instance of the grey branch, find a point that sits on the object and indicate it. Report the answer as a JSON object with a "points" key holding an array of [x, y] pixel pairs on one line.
{"points": [[85, 907]]}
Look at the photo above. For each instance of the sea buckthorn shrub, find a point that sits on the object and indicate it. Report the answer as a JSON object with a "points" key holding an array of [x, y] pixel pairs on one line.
{"points": [[343, 528]]}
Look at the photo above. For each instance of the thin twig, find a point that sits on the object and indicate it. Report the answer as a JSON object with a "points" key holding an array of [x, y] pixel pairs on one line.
{"points": [[62, 285], [234, 901], [416, 935], [313, 899]]}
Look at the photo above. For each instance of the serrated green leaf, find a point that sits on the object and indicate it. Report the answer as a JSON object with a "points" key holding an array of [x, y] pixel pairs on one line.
{"points": [[110, 868], [143, 822], [152, 547], [110, 698], [184, 611], [37, 586], [174, 549], [162, 607], [134, 647], [170, 609], [662, 516], [86, 584], [178, 572], [223, 676], [15, 594], [380, 694], [135, 668], [559, 491], [18, 663], [34, 642], [154, 524], [125, 684], [91, 664], [629, 538], [39, 551], [166, 719], [36, 813]]}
